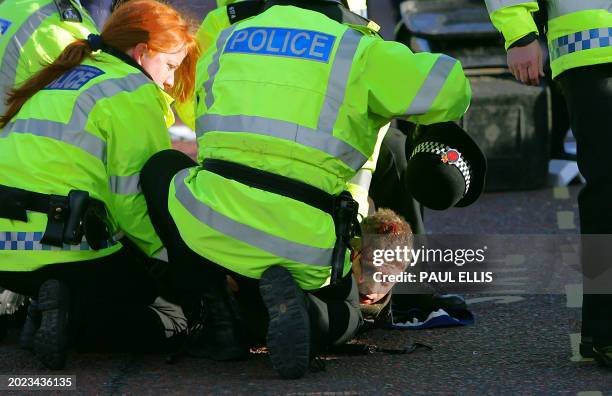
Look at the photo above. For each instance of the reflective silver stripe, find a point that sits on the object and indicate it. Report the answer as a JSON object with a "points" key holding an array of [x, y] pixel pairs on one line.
{"points": [[162, 255], [494, 5], [125, 185], [338, 80], [8, 68], [277, 246], [284, 130], [564, 7], [73, 135], [213, 68], [362, 178], [73, 132], [432, 86]]}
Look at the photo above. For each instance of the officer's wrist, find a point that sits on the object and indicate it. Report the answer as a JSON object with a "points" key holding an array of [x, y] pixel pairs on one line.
{"points": [[530, 38]]}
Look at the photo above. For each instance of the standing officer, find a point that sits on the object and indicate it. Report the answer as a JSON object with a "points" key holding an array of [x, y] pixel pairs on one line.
{"points": [[579, 34], [289, 106]]}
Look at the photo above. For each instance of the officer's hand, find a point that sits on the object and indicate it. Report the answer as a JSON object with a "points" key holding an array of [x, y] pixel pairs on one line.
{"points": [[525, 63]]}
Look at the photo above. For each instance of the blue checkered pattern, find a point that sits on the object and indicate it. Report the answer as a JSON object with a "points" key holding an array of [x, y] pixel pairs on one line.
{"points": [[31, 241], [580, 41]]}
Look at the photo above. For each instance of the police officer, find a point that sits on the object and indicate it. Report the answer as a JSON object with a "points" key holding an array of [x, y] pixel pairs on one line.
{"points": [[72, 144], [579, 37], [34, 32], [288, 107]]}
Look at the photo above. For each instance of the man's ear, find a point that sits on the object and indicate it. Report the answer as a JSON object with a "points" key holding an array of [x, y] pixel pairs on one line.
{"points": [[138, 52]]}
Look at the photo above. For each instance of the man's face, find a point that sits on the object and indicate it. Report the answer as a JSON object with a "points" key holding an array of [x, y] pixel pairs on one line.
{"points": [[370, 291]]}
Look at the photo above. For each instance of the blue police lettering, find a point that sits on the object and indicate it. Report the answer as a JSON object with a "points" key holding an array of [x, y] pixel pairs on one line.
{"points": [[75, 78], [295, 43]]}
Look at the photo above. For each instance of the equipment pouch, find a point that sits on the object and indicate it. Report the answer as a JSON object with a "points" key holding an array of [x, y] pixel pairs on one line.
{"points": [[57, 213], [95, 226], [78, 202], [347, 226]]}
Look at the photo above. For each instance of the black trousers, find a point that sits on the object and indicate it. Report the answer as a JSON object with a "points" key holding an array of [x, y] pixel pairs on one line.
{"points": [[110, 298], [588, 92], [191, 273]]}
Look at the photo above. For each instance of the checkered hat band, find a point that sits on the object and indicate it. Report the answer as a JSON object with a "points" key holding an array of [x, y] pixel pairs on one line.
{"points": [[440, 149]]}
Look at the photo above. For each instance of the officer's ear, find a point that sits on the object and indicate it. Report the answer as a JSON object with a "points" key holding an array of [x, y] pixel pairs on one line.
{"points": [[138, 52]]}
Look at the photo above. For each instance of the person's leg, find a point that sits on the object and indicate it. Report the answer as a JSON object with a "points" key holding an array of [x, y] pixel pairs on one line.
{"points": [[26, 282], [112, 303], [560, 120], [588, 92], [335, 312], [193, 279], [187, 269]]}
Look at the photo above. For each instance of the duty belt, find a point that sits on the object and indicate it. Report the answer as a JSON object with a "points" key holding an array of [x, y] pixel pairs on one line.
{"points": [[342, 207], [69, 218]]}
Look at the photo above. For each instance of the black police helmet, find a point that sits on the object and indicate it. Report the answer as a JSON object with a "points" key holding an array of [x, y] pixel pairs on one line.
{"points": [[446, 167]]}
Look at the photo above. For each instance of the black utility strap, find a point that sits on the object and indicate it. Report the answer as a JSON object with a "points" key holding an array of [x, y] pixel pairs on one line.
{"points": [[332, 10], [273, 183], [245, 9], [15, 202]]}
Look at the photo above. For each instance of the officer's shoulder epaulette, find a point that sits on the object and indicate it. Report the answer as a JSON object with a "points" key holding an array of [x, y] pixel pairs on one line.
{"points": [[351, 18], [67, 11], [245, 9], [371, 29]]}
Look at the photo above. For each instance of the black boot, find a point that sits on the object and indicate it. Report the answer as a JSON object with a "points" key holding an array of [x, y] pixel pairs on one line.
{"points": [[289, 336], [221, 338], [603, 355], [31, 325], [51, 339]]}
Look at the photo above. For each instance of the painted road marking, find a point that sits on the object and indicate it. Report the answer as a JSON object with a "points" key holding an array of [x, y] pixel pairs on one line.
{"points": [[575, 343], [565, 220], [497, 299], [561, 193], [589, 393], [573, 294]]}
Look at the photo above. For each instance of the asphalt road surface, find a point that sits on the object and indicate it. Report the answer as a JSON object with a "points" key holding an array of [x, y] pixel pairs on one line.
{"points": [[520, 344]]}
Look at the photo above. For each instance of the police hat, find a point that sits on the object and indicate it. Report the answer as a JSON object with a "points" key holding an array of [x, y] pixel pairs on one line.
{"points": [[446, 167]]}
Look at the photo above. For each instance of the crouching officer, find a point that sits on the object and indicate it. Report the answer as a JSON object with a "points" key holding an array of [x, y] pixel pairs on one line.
{"points": [[32, 33], [579, 35], [289, 105], [72, 144]]}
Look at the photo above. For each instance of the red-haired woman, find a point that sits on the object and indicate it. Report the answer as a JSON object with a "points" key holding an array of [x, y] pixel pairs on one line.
{"points": [[72, 144]]}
